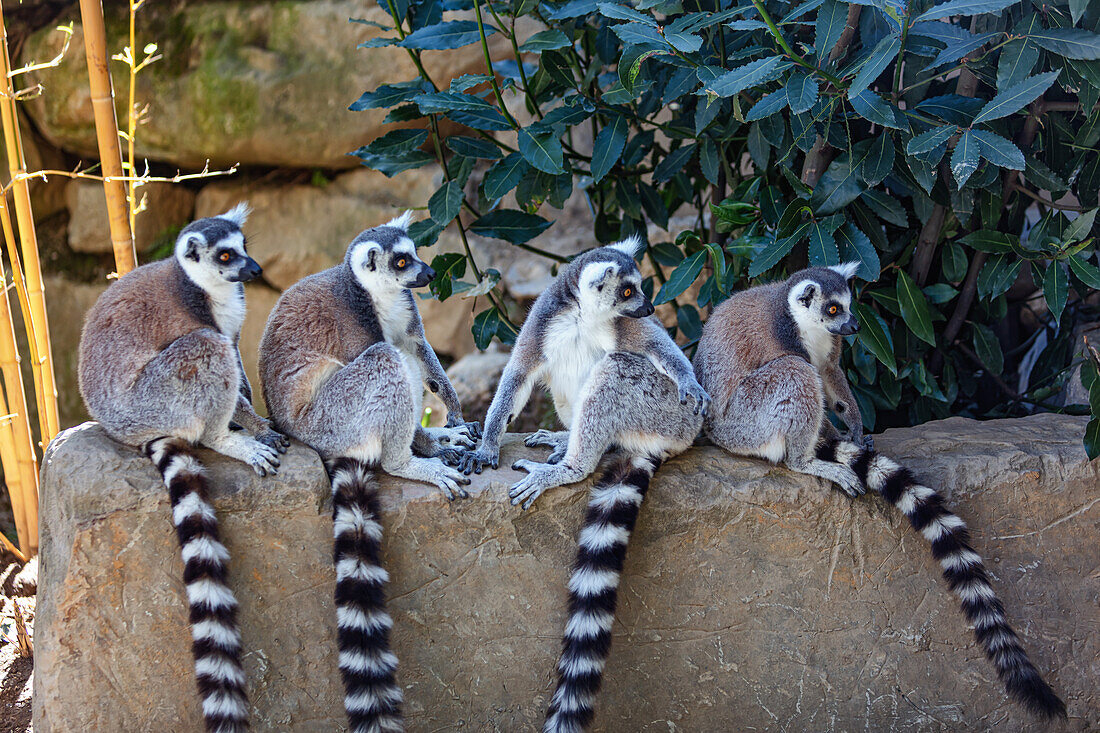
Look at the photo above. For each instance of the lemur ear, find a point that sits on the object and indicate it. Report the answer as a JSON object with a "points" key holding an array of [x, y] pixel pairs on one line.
{"points": [[402, 222], [846, 270], [238, 214], [804, 292], [191, 248], [372, 253], [631, 246]]}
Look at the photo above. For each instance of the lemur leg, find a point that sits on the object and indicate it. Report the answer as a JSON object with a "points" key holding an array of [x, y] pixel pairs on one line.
{"points": [[626, 402], [776, 413], [367, 410], [558, 440], [201, 366]]}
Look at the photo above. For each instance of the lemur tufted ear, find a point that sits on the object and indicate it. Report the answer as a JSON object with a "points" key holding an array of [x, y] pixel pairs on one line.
{"points": [[372, 253], [804, 292], [238, 214], [847, 270], [401, 222], [191, 248], [631, 246]]}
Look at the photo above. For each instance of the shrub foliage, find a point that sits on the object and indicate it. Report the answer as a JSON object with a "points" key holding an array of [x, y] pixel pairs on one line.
{"points": [[951, 149]]}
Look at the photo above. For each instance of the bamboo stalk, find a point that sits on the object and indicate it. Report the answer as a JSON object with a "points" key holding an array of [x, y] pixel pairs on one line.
{"points": [[12, 477], [106, 127], [12, 548], [22, 464], [38, 329]]}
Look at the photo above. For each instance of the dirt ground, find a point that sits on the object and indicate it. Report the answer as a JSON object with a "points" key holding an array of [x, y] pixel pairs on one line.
{"points": [[17, 587]]}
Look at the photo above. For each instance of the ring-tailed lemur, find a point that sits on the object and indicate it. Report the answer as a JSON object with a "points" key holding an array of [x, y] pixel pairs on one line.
{"points": [[617, 379], [770, 358], [342, 362], [160, 368]]}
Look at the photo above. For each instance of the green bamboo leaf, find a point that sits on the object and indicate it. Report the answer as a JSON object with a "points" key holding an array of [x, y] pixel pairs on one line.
{"points": [[874, 334], [681, 278], [914, 308]]}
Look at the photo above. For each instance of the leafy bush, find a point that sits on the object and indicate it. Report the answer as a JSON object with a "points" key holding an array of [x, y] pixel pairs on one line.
{"points": [[945, 147]]}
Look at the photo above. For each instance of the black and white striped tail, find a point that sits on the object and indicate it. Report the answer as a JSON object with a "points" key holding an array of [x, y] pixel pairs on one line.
{"points": [[962, 567], [593, 590], [217, 640], [372, 698]]}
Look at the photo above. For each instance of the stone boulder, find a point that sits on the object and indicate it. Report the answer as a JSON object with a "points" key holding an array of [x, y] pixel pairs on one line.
{"points": [[239, 82], [752, 599], [168, 208]]}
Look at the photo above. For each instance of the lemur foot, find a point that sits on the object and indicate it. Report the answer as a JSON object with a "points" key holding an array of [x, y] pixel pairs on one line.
{"points": [[263, 458], [275, 440], [459, 436], [848, 482], [433, 471], [477, 460], [548, 438], [697, 396], [538, 480], [473, 428]]}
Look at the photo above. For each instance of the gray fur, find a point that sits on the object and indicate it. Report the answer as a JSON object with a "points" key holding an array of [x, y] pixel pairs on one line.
{"points": [[616, 377], [343, 358], [770, 357], [159, 356]]}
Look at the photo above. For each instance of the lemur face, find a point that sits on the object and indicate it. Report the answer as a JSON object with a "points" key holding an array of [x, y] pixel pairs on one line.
{"points": [[384, 258], [820, 300], [212, 250], [614, 288]]}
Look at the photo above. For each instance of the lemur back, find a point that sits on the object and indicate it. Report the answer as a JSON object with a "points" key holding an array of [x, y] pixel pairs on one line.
{"points": [[343, 362], [160, 369], [770, 357]]}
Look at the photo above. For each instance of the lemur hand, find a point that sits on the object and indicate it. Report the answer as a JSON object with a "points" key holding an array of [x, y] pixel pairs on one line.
{"points": [[273, 439], [473, 428], [856, 436], [697, 394], [477, 460]]}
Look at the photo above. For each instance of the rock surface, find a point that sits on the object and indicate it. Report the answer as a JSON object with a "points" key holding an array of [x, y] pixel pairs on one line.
{"points": [[239, 82], [168, 207], [753, 598]]}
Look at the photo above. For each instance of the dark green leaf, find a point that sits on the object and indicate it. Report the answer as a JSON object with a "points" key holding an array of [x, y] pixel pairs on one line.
{"points": [[1092, 438], [1080, 227], [964, 7], [448, 267], [396, 142], [684, 42], [467, 81], [623, 12], [965, 158], [801, 92], [681, 278], [988, 348], [823, 250], [768, 105], [880, 159], [930, 140], [997, 150], [1073, 43], [749, 75], [914, 308], [768, 257], [543, 151], [758, 147], [391, 165], [874, 334], [671, 164], [831, 20], [997, 276], [485, 327], [512, 226], [488, 118], [1019, 57], [1016, 97], [939, 293], [718, 264], [873, 108], [472, 147], [708, 160], [1056, 289], [687, 318], [424, 233], [504, 176], [838, 187], [879, 59], [432, 102], [389, 95], [636, 34], [446, 35], [1036, 171], [856, 247], [1088, 274], [987, 240], [445, 203], [548, 40], [608, 147], [954, 262]]}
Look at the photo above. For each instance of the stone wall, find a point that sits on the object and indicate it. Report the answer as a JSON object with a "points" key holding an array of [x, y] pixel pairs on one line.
{"points": [[753, 598]]}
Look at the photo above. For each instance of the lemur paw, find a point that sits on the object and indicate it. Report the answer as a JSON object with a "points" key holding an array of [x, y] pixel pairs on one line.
{"points": [[263, 458], [697, 395], [531, 487], [451, 482], [473, 429], [849, 482], [556, 456], [451, 456], [541, 438], [275, 440], [477, 460]]}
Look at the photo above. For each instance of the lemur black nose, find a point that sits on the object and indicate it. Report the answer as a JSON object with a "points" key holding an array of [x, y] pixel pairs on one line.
{"points": [[250, 271], [429, 273], [850, 326]]}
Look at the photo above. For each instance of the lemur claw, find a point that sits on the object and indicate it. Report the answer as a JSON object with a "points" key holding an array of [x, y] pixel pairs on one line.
{"points": [[476, 461], [273, 439]]}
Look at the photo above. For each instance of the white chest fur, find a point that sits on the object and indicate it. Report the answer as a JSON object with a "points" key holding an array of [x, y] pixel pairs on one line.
{"points": [[394, 316], [819, 344], [227, 308], [573, 345]]}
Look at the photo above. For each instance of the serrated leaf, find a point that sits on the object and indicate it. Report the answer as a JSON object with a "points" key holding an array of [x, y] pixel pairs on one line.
{"points": [[1072, 43], [512, 226], [930, 140], [988, 348], [445, 203], [875, 64], [396, 142], [623, 12], [681, 278], [1019, 57], [636, 34], [831, 20], [548, 40], [504, 176], [445, 36], [749, 75], [856, 247], [1077, 9], [542, 150], [964, 7], [914, 308], [1056, 289], [874, 334], [801, 92], [768, 105], [433, 102], [487, 118], [391, 165], [886, 207], [953, 108], [998, 151], [838, 187], [671, 164], [822, 248], [472, 147], [1016, 97], [770, 256], [608, 147], [389, 95], [1036, 171], [965, 158], [879, 161], [873, 108]]}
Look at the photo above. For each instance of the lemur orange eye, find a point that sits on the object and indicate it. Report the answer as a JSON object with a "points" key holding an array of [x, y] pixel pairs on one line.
{"points": [[402, 262], [627, 292], [225, 257], [833, 310]]}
